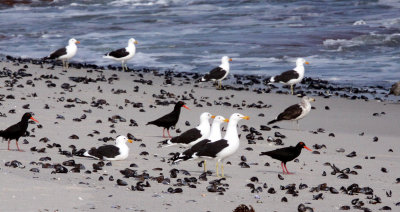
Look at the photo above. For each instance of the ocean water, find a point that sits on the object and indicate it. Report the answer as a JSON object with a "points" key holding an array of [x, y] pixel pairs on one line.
{"points": [[346, 42]]}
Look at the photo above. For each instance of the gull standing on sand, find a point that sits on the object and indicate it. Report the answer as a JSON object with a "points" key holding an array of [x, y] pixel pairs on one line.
{"points": [[223, 148], [123, 54], [296, 111], [215, 135], [66, 53], [291, 77], [219, 73], [194, 135], [119, 151]]}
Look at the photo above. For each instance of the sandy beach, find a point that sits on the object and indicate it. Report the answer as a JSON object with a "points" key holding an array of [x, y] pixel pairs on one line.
{"points": [[334, 122]]}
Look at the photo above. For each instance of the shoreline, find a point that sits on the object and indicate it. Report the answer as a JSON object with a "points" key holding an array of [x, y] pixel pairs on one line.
{"points": [[317, 87]]}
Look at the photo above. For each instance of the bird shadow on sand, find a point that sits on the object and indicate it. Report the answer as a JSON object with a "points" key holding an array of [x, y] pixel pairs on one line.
{"points": [[275, 172], [11, 150]]}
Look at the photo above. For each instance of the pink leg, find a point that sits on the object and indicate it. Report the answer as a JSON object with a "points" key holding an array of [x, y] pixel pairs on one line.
{"points": [[287, 170], [18, 147], [283, 169], [169, 134], [9, 144], [163, 135]]}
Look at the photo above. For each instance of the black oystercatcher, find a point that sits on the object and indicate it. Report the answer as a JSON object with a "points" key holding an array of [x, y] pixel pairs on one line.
{"points": [[170, 119], [291, 77], [286, 154], [119, 151], [219, 73], [66, 53], [295, 112], [17, 130]]}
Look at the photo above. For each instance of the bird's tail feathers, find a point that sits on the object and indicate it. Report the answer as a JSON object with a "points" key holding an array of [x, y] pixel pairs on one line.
{"points": [[264, 153], [1, 133], [273, 121]]}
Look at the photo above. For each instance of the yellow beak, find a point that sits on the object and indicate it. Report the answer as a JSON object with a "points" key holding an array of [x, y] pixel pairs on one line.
{"points": [[226, 120], [77, 42], [230, 59], [246, 117], [307, 63], [213, 117], [130, 141], [135, 42], [312, 99]]}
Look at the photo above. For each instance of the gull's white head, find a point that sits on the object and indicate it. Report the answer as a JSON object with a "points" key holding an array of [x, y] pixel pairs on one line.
{"points": [[132, 41], [205, 116], [301, 61], [237, 116], [122, 140], [220, 119], [225, 59], [307, 99], [73, 41]]}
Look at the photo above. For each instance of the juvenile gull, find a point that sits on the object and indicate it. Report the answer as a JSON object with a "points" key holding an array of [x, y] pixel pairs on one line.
{"points": [[295, 112]]}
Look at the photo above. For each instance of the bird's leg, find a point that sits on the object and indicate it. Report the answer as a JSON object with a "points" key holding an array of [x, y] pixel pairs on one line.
{"points": [[18, 147], [122, 64], [219, 85], [287, 171], [126, 67], [205, 168], [283, 168], [9, 140], [63, 62], [222, 169], [163, 133], [216, 168], [66, 64], [291, 88], [169, 134]]}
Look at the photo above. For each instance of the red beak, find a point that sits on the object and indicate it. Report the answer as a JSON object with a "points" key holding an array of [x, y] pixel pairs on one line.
{"points": [[185, 107], [305, 147], [34, 119]]}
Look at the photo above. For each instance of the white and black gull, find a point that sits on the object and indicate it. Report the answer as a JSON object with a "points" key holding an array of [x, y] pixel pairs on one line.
{"points": [[65, 53], [194, 135], [291, 77], [223, 148], [219, 73], [123, 54], [119, 151], [215, 135], [296, 111]]}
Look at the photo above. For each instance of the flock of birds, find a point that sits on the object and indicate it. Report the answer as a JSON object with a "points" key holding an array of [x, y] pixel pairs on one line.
{"points": [[217, 74], [203, 142]]}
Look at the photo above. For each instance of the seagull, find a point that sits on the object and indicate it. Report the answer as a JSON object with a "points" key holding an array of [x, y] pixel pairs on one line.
{"points": [[169, 120], [223, 148], [119, 151], [291, 77], [286, 154], [295, 112], [17, 130], [219, 73], [215, 135], [194, 135], [123, 54], [66, 53]]}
